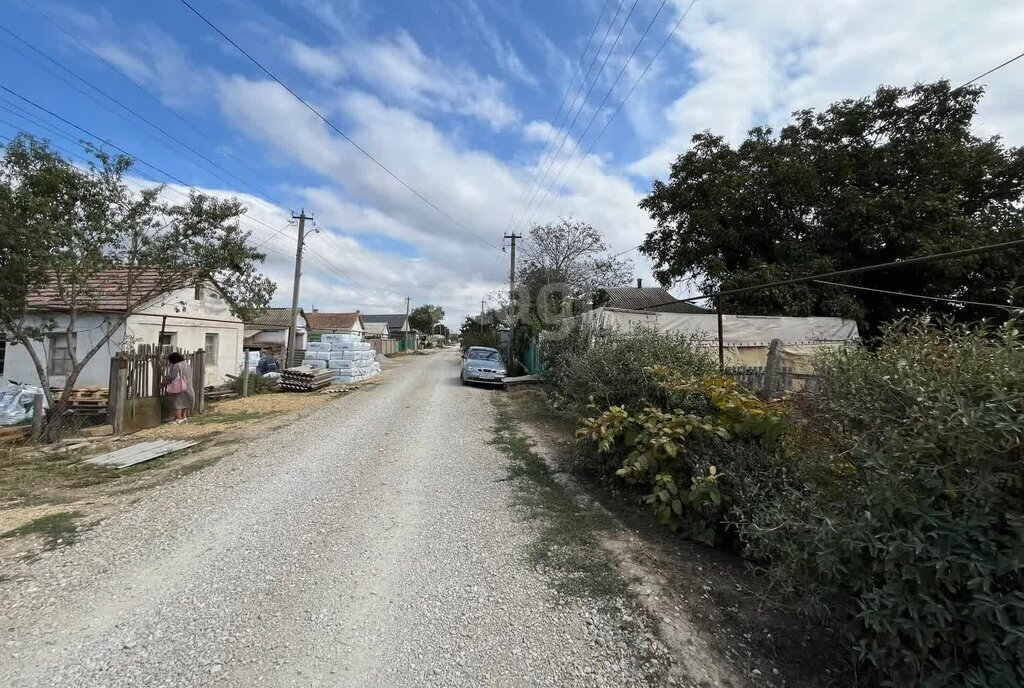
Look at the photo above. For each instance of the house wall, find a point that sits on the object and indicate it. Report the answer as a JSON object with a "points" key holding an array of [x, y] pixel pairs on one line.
{"points": [[90, 328], [190, 320]]}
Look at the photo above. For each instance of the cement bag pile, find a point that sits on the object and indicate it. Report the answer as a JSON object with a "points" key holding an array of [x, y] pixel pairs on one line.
{"points": [[349, 357], [16, 403]]}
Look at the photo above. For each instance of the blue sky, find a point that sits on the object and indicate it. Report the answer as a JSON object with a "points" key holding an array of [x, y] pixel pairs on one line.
{"points": [[458, 98]]}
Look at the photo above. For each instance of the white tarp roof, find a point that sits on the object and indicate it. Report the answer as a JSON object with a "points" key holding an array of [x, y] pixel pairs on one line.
{"points": [[737, 330]]}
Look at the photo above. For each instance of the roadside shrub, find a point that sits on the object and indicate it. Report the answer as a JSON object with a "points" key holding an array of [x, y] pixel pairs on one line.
{"points": [[257, 384], [696, 456], [588, 369], [908, 501]]}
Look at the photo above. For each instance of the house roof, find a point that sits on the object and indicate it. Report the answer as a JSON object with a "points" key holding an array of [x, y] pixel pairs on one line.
{"points": [[395, 322], [107, 291], [272, 319], [648, 298], [380, 328], [333, 321]]}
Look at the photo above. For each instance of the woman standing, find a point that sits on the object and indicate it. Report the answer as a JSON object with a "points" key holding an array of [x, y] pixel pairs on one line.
{"points": [[178, 385]]}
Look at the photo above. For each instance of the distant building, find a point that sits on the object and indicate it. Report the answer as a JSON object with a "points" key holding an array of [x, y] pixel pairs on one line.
{"points": [[269, 329], [640, 298], [320, 322], [398, 328]]}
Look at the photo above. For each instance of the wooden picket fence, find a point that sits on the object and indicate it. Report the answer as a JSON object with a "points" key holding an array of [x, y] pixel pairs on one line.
{"points": [[139, 374]]}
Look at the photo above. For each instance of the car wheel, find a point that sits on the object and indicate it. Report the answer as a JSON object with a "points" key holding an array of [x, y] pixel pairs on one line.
{"points": [[462, 377]]}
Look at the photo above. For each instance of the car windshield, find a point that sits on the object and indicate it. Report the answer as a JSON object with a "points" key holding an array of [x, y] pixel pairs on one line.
{"points": [[485, 356]]}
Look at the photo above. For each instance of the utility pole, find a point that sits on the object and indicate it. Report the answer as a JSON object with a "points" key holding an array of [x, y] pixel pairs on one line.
{"points": [[481, 316], [512, 299], [292, 330], [407, 299]]}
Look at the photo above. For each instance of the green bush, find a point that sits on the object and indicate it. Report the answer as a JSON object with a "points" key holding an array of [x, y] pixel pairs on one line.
{"points": [[587, 368], [257, 384], [908, 501], [696, 456]]}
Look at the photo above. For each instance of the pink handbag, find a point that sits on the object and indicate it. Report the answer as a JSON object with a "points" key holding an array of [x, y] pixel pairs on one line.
{"points": [[177, 385]]}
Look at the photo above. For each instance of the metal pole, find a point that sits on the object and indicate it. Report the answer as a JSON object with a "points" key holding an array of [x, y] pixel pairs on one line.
{"points": [[721, 343], [292, 330]]}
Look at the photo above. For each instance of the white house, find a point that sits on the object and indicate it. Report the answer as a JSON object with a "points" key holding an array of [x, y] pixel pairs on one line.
{"points": [[270, 329], [187, 318]]}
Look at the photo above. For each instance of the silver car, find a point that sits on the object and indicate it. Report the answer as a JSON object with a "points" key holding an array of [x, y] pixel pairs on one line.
{"points": [[484, 365]]}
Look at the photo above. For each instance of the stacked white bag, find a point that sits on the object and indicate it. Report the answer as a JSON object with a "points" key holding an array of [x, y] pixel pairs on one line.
{"points": [[352, 359]]}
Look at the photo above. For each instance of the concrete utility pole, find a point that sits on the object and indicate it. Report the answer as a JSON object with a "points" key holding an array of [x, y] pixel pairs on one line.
{"points": [[292, 329], [481, 316], [407, 300], [512, 299]]}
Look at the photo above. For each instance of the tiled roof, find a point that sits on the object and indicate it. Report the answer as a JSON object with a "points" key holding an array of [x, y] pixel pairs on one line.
{"points": [[395, 322], [376, 328], [648, 298], [107, 291], [272, 318], [333, 321]]}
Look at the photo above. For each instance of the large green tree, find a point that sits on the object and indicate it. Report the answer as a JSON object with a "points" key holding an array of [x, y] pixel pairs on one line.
{"points": [[66, 229], [883, 178], [424, 318]]}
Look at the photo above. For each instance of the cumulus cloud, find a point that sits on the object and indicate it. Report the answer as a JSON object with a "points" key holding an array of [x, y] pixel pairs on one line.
{"points": [[756, 61], [397, 68]]}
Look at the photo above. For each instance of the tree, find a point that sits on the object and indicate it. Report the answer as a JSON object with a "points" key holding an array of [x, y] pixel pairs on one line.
{"points": [[564, 263], [64, 229], [883, 178], [425, 317], [481, 330]]}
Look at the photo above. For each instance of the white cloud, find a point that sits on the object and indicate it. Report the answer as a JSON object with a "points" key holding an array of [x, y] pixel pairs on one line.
{"points": [[397, 68], [756, 61]]}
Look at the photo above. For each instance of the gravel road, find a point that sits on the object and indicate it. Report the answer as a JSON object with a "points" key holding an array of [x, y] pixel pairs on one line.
{"points": [[371, 543]]}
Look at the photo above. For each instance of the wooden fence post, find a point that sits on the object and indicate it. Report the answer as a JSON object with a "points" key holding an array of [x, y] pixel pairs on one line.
{"points": [[773, 369], [199, 375], [37, 417], [245, 379], [121, 397]]}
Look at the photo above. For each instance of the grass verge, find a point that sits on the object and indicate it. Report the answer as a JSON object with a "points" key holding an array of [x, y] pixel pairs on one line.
{"points": [[567, 545], [241, 417], [56, 529]]}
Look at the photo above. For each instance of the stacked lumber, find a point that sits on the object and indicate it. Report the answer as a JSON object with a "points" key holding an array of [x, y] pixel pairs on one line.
{"points": [[89, 401], [305, 379], [15, 433]]}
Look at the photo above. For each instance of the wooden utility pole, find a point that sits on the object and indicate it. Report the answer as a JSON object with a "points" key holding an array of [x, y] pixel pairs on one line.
{"points": [[481, 316], [512, 299], [292, 330]]}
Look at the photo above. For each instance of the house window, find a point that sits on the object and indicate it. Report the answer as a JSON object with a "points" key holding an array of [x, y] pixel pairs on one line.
{"points": [[58, 359], [167, 342], [212, 341]]}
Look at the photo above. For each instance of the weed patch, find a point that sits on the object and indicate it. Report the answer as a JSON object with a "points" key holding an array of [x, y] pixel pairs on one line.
{"points": [[568, 540]]}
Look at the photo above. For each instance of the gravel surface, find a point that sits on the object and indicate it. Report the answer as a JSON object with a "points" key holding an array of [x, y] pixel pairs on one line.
{"points": [[371, 543]]}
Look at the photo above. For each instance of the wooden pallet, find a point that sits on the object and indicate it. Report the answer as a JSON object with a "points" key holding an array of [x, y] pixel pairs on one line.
{"points": [[15, 433]]}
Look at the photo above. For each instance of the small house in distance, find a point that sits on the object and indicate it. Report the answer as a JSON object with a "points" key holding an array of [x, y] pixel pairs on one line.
{"points": [[376, 330], [641, 298], [398, 328], [269, 330], [319, 322]]}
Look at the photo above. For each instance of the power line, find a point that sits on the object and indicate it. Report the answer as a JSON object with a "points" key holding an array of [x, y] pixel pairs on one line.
{"points": [[568, 131], [140, 117], [629, 93], [597, 111], [334, 127], [965, 302], [994, 69], [114, 146], [145, 91], [554, 122], [948, 255], [242, 219]]}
